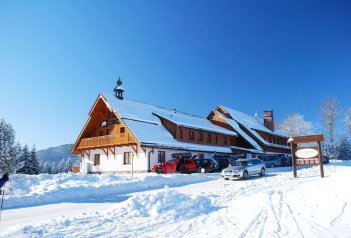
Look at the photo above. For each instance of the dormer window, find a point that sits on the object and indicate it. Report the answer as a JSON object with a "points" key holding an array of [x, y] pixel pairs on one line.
{"points": [[191, 135]]}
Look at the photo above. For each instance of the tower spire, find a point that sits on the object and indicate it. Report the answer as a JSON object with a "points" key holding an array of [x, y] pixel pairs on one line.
{"points": [[119, 89]]}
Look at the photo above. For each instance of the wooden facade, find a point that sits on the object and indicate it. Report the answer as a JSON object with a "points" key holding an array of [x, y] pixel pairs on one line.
{"points": [[198, 136], [94, 136]]}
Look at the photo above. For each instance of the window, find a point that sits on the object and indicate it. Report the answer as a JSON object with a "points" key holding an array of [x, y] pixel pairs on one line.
{"points": [[180, 133], [171, 161], [161, 157], [225, 140], [216, 139], [126, 159], [122, 130], [191, 135], [208, 137], [199, 136], [108, 131], [96, 159], [101, 133]]}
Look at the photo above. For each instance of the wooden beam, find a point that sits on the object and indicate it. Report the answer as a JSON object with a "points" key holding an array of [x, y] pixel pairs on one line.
{"points": [[105, 150], [135, 148], [306, 139], [87, 152], [113, 151], [144, 149]]}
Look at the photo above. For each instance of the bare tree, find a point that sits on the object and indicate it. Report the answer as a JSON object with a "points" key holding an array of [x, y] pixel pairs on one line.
{"points": [[330, 110], [294, 125]]}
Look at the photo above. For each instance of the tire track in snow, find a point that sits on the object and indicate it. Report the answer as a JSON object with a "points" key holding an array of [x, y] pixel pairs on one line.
{"points": [[339, 216], [254, 222], [295, 220]]}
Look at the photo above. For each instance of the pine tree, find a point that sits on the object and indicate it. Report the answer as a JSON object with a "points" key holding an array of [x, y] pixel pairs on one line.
{"points": [[68, 165], [34, 160], [30, 161], [8, 149], [344, 148]]}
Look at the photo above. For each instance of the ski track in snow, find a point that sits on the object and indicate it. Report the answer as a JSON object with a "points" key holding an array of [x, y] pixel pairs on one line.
{"points": [[274, 206]]}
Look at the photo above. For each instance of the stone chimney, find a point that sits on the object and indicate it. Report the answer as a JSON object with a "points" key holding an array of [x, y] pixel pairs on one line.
{"points": [[268, 119]]}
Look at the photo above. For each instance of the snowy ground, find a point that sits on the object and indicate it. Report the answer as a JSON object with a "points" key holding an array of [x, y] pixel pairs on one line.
{"points": [[274, 206]]}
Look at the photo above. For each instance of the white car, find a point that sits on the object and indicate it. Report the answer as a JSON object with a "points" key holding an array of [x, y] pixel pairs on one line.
{"points": [[243, 168]]}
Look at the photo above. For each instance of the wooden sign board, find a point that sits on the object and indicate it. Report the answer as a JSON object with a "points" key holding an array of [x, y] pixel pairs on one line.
{"points": [[108, 123], [306, 155]]}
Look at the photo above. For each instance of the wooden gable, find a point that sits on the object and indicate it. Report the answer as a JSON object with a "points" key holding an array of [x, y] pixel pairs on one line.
{"points": [[95, 135]]}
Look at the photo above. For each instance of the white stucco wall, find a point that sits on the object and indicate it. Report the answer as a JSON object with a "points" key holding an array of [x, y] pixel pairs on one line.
{"points": [[115, 163]]}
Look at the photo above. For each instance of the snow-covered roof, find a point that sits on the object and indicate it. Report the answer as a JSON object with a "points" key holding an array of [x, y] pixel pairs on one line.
{"points": [[249, 121], [194, 122], [155, 135], [138, 111], [248, 150], [242, 133], [141, 119], [266, 143]]}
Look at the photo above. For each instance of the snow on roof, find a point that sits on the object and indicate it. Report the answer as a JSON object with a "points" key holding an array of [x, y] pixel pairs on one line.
{"points": [[194, 122], [249, 121], [145, 133], [129, 109], [248, 150], [141, 119], [242, 133], [266, 143]]}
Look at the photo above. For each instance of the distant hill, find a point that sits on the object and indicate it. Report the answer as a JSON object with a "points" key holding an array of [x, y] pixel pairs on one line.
{"points": [[56, 154]]}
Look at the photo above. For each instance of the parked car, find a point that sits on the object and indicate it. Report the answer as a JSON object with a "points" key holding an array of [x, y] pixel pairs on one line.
{"points": [[176, 165], [325, 159], [243, 168], [224, 161], [274, 160], [206, 165]]}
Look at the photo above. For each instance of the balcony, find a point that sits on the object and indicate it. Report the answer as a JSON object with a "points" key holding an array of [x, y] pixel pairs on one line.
{"points": [[102, 141]]}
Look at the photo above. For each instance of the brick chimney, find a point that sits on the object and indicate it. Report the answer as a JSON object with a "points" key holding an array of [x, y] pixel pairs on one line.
{"points": [[268, 119]]}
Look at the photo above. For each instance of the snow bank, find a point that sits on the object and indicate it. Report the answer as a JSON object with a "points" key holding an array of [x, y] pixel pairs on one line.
{"points": [[31, 190], [151, 210], [168, 203]]}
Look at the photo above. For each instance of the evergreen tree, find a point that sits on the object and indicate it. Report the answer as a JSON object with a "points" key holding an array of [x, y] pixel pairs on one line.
{"points": [[8, 149], [344, 148], [68, 165], [30, 161], [34, 159]]}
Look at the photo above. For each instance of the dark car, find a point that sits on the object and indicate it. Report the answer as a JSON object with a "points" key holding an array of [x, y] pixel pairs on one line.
{"points": [[325, 159], [274, 160], [225, 162], [206, 165]]}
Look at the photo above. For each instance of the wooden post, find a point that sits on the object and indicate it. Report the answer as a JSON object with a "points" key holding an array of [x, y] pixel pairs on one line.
{"points": [[320, 160], [293, 146]]}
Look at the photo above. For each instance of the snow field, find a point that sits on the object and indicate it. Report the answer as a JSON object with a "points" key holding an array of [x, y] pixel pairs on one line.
{"points": [[274, 206]]}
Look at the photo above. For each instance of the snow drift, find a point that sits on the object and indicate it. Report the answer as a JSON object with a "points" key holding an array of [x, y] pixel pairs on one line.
{"points": [[31, 190]]}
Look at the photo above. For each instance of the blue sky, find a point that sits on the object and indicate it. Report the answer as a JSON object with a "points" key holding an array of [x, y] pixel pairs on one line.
{"points": [[55, 57]]}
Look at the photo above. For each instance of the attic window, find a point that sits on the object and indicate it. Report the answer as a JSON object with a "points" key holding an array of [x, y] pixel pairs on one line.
{"points": [[191, 135], [122, 130], [180, 133], [208, 137], [199, 136]]}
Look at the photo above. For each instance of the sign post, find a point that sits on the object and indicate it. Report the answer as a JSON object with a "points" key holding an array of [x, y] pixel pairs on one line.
{"points": [[132, 154], [306, 155]]}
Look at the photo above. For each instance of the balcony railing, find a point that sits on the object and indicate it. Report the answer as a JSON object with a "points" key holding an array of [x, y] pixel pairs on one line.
{"points": [[108, 140]]}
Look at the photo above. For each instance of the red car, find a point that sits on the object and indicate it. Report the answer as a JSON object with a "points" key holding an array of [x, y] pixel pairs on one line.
{"points": [[177, 165]]}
